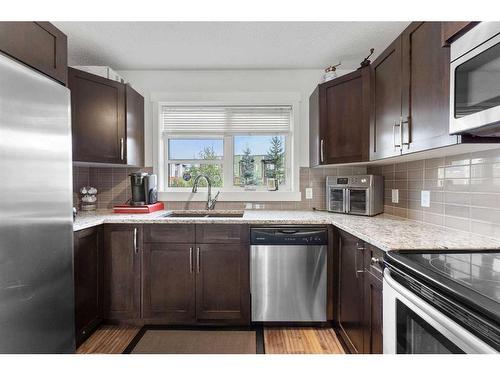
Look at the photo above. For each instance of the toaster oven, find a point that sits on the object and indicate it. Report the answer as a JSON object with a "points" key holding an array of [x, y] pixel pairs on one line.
{"points": [[356, 195]]}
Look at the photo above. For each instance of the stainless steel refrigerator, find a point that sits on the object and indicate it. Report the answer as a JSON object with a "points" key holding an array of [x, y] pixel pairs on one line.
{"points": [[36, 235]]}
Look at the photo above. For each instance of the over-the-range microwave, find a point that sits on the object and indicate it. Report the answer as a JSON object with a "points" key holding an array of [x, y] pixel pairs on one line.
{"points": [[475, 82]]}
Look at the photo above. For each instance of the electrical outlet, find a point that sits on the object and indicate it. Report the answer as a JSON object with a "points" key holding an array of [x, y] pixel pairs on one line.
{"points": [[248, 206], [425, 198], [309, 193], [395, 196]]}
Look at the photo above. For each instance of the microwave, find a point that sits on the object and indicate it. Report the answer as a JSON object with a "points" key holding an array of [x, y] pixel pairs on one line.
{"points": [[355, 195], [475, 82]]}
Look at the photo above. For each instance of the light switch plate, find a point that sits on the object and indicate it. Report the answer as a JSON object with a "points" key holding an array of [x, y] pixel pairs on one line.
{"points": [[309, 193], [395, 196], [425, 198]]}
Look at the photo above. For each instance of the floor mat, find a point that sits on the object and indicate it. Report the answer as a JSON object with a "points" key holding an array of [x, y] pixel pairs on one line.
{"points": [[195, 341]]}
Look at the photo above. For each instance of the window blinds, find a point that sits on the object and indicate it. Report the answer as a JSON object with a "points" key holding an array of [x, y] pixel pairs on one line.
{"points": [[226, 119]]}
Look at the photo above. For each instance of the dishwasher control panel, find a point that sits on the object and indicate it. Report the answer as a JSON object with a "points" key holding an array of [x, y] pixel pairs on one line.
{"points": [[288, 236]]}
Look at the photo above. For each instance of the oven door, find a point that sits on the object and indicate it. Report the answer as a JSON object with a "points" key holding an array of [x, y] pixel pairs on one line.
{"points": [[357, 201], [336, 199], [412, 326], [475, 82]]}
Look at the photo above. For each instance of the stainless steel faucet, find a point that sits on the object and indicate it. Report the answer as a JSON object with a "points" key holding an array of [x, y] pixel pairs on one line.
{"points": [[210, 202]]}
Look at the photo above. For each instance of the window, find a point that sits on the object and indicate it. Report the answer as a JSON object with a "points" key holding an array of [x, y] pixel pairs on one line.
{"points": [[238, 147]]}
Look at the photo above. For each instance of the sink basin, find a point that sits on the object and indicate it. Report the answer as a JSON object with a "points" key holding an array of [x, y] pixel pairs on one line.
{"points": [[204, 214]]}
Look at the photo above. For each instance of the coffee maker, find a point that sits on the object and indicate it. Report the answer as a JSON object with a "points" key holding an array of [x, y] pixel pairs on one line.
{"points": [[144, 189]]}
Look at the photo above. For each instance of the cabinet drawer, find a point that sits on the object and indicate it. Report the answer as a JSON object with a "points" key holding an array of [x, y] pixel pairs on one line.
{"points": [[180, 233], [374, 258], [221, 233]]}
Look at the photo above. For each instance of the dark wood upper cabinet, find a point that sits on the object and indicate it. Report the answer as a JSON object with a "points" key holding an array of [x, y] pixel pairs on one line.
{"points": [[169, 282], [107, 120], [39, 45], [87, 276], [451, 31], [426, 89], [222, 283], [385, 109], [339, 120], [134, 147], [351, 319], [122, 271], [97, 117]]}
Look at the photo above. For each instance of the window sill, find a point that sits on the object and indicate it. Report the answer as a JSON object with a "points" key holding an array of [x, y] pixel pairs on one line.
{"points": [[232, 196]]}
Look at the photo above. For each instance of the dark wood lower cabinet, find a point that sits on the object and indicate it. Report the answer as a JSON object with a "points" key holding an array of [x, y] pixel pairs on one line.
{"points": [[351, 290], [373, 303], [87, 276], [360, 303], [169, 282], [222, 283], [193, 282], [122, 271]]}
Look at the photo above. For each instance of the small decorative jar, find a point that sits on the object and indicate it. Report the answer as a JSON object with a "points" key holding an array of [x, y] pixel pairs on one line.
{"points": [[88, 196]]}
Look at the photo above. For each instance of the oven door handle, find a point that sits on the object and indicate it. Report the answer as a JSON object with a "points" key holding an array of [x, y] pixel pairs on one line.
{"points": [[443, 324]]}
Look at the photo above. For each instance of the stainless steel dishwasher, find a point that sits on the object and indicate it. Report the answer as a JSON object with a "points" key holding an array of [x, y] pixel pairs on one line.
{"points": [[288, 274]]}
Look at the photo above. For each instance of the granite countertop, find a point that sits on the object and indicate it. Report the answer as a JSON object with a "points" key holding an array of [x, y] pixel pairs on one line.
{"points": [[384, 231]]}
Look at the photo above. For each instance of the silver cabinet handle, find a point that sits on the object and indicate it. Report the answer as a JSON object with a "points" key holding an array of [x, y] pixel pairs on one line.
{"points": [[322, 154], [190, 260], [136, 248], [401, 123], [122, 151], [358, 248], [394, 134], [374, 261], [198, 259]]}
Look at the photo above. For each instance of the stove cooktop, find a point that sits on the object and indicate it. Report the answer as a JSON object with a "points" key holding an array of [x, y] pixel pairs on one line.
{"points": [[473, 277]]}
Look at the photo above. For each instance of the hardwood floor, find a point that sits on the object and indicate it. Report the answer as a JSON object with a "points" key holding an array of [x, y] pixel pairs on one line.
{"points": [[108, 340], [289, 340], [301, 340]]}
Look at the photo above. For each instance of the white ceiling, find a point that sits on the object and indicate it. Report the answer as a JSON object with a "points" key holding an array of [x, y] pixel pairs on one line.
{"points": [[225, 45]]}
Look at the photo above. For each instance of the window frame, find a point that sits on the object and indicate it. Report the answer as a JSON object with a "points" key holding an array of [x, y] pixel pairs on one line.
{"points": [[292, 98], [227, 160]]}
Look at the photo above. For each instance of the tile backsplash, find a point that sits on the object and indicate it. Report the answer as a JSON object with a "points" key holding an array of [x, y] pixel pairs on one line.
{"points": [[113, 185], [464, 191]]}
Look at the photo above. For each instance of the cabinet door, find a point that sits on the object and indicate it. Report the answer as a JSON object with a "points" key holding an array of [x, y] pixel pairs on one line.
{"points": [[97, 117], [385, 136], [222, 283], [373, 343], [373, 300], [37, 44], [134, 147], [87, 263], [426, 89], [451, 31], [344, 118], [314, 136], [169, 282], [122, 271], [351, 288]]}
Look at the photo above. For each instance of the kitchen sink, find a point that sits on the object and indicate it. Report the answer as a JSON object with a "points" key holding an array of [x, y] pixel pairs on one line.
{"points": [[204, 214]]}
